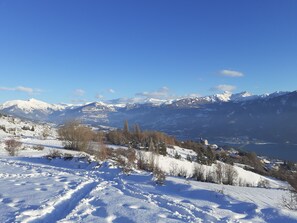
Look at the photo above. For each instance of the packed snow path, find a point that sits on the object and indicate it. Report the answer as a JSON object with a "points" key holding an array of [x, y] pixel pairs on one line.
{"points": [[42, 190]]}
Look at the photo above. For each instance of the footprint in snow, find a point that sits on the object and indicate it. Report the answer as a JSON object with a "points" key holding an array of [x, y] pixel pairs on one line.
{"points": [[134, 207], [20, 184], [60, 179], [40, 189]]}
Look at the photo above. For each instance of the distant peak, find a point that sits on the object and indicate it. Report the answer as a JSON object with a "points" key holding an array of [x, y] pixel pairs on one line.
{"points": [[30, 105]]}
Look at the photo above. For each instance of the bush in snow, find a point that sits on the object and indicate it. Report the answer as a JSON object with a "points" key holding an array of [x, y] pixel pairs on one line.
{"points": [[198, 172], [219, 170], [159, 176], [76, 136], [53, 154], [46, 132], [38, 147], [101, 151], [230, 175], [67, 156], [173, 169], [12, 146], [290, 202], [209, 177], [141, 161], [263, 183], [3, 128], [182, 172], [177, 156]]}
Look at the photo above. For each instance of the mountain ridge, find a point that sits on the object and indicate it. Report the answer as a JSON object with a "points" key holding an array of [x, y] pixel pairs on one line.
{"points": [[269, 117]]}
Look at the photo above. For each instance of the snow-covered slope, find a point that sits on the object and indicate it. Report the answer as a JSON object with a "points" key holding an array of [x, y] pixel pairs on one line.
{"points": [[16, 127], [31, 105], [42, 190], [37, 189]]}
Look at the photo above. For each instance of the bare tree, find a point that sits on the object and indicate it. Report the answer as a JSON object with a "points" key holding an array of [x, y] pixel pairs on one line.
{"points": [[12, 146], [173, 170], [141, 161], [46, 132], [198, 172], [230, 175], [159, 176], [219, 173], [290, 202], [152, 157], [75, 136]]}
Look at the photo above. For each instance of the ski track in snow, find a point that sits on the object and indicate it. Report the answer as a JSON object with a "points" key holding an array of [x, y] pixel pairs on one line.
{"points": [[43, 192]]}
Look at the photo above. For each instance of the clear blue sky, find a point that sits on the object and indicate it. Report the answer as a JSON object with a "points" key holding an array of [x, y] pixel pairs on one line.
{"points": [[69, 50]]}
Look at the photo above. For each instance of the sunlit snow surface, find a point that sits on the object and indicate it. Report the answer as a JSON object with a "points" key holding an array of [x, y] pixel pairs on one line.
{"points": [[37, 189], [42, 190]]}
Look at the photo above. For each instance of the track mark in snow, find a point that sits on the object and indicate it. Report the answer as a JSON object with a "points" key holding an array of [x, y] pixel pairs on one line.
{"points": [[59, 208], [185, 212], [89, 205]]}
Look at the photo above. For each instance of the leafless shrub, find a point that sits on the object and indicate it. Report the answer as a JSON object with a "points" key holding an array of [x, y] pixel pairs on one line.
{"points": [[46, 132], [151, 161], [67, 156], [38, 147], [230, 175], [263, 183], [293, 181], [100, 151], [219, 170], [198, 172], [173, 169], [241, 183], [159, 176], [182, 172], [126, 159], [209, 177], [131, 156], [141, 161], [290, 202], [76, 136], [12, 146], [53, 154]]}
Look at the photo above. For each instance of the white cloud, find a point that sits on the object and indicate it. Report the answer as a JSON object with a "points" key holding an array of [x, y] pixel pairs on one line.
{"points": [[224, 87], [20, 89], [231, 73], [79, 92], [99, 96], [112, 91], [162, 93]]}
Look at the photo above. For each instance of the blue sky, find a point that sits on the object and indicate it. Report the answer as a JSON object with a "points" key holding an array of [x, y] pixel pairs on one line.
{"points": [[72, 51]]}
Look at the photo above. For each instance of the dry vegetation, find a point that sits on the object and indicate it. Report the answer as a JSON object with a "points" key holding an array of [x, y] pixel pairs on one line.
{"points": [[12, 146]]}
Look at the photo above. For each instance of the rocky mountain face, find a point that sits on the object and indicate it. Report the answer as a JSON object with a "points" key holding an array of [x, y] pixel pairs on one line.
{"points": [[271, 117]]}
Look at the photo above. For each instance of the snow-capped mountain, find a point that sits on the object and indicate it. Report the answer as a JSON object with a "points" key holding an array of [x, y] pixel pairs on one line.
{"points": [[31, 109], [271, 117], [30, 105]]}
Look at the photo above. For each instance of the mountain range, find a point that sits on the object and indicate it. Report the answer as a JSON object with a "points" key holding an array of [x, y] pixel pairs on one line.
{"points": [[268, 117]]}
